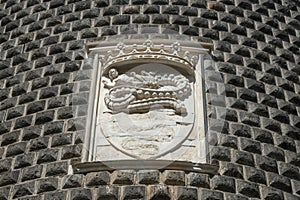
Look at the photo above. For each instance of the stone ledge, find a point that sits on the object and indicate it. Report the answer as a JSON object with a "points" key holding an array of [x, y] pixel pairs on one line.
{"points": [[82, 168]]}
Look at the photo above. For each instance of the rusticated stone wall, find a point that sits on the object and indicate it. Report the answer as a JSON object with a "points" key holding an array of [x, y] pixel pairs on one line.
{"points": [[43, 79]]}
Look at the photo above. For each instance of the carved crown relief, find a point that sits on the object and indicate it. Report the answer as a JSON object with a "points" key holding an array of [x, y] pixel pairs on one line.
{"points": [[148, 105]]}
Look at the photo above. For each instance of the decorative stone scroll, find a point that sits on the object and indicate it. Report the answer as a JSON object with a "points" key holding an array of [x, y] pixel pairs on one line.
{"points": [[149, 101], [137, 93]]}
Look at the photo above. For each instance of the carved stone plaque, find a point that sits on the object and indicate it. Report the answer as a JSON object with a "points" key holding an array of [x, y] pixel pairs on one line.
{"points": [[149, 110], [149, 102]]}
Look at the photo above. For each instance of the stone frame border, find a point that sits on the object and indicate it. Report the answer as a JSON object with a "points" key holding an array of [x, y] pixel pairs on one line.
{"points": [[87, 164]]}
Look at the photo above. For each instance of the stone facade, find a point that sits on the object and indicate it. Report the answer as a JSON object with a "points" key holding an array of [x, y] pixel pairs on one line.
{"points": [[44, 95], [147, 100]]}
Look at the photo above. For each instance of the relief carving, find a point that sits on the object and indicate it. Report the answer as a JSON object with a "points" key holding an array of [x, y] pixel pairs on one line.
{"points": [[137, 93], [146, 107], [146, 112]]}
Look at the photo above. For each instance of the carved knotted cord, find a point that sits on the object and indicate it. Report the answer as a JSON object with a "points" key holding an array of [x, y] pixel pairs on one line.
{"points": [[140, 92]]}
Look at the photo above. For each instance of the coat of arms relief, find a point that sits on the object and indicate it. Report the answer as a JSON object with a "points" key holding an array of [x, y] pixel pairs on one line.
{"points": [[137, 92], [146, 109], [150, 103]]}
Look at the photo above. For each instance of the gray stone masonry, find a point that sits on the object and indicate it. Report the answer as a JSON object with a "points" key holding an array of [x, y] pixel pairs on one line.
{"points": [[44, 84]]}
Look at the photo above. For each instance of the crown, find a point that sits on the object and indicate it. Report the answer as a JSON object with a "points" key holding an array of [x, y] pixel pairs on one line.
{"points": [[184, 54]]}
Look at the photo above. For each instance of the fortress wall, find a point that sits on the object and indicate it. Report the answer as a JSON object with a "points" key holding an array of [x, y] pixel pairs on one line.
{"points": [[43, 78]]}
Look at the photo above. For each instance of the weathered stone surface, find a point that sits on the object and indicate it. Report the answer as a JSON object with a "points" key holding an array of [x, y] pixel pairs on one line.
{"points": [[270, 125], [47, 155], [107, 192], [48, 184], [15, 112], [8, 178], [39, 143], [84, 194], [267, 100], [4, 94], [174, 177], [255, 81], [33, 172], [230, 169], [39, 83], [266, 163], [134, 192], [262, 135], [198, 180], [241, 130], [44, 117], [79, 137], [290, 196], [97, 178], [248, 189], [289, 171], [35, 107], [279, 182], [23, 189], [255, 175], [76, 124], [59, 140], [285, 142], [218, 125], [258, 109], [219, 153], [15, 149], [228, 141], [57, 168], [208, 194], [4, 192], [243, 158], [225, 184], [56, 195], [24, 160], [5, 164], [159, 192], [287, 107], [148, 177], [249, 119], [65, 113], [124, 177], [23, 122], [271, 193], [186, 193], [53, 128], [31, 132], [10, 138], [8, 103], [273, 152], [71, 151], [234, 196], [216, 100], [230, 115], [290, 131], [48, 92], [295, 186], [250, 145]]}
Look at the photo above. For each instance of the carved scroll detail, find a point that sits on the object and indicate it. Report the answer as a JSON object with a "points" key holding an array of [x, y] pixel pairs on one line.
{"points": [[138, 92]]}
